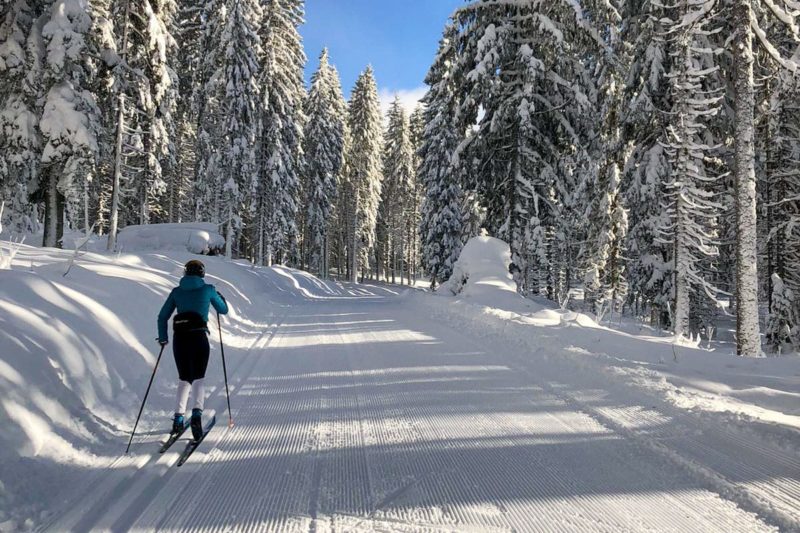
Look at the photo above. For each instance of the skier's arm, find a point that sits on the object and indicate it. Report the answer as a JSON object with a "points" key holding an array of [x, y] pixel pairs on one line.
{"points": [[163, 317], [219, 303]]}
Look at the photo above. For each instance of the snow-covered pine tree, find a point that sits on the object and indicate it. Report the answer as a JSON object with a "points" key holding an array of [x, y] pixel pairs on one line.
{"points": [[747, 24], [691, 230], [777, 163], [529, 65], [413, 259], [442, 231], [190, 28], [166, 94], [20, 143], [283, 89], [325, 111], [206, 104], [150, 86], [607, 219], [146, 88], [96, 206], [398, 195], [783, 324], [606, 216], [783, 198], [71, 121], [363, 172], [238, 75], [336, 220], [647, 169], [342, 214]]}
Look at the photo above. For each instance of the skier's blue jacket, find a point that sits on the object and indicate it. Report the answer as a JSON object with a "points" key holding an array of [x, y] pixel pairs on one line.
{"points": [[193, 294]]}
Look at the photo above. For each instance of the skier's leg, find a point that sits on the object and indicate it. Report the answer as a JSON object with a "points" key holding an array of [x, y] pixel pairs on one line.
{"points": [[182, 354], [198, 393], [182, 397], [200, 352], [180, 405]]}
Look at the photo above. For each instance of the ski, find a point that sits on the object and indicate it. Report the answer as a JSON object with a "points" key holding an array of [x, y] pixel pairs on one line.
{"points": [[193, 444], [173, 437]]}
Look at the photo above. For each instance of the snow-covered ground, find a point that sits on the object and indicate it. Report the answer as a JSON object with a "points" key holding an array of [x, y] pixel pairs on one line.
{"points": [[754, 394], [378, 408]]}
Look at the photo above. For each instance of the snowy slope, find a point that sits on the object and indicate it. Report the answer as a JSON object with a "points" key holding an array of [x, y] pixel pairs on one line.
{"points": [[756, 394], [76, 352], [358, 408]]}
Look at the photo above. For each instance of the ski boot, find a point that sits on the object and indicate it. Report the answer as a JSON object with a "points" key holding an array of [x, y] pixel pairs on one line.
{"points": [[178, 423], [197, 424]]}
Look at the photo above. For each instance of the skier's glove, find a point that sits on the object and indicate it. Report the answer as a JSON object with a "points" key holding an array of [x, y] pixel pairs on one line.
{"points": [[162, 343]]}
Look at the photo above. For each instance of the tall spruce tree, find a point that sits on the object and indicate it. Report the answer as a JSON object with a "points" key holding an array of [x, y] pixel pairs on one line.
{"points": [[398, 195], [240, 46], [206, 105], [646, 169], [691, 230], [71, 121], [324, 144], [414, 251], [525, 65], [363, 186], [282, 139], [20, 141], [746, 25], [442, 223], [191, 25], [150, 86], [606, 215]]}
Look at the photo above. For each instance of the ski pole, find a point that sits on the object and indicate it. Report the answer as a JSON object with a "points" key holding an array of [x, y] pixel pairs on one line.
{"points": [[224, 371], [145, 398]]}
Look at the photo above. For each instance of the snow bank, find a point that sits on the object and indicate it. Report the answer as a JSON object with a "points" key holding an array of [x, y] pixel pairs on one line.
{"points": [[753, 395], [197, 238]]}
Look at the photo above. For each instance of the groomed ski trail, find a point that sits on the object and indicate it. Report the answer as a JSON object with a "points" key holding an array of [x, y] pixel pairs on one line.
{"points": [[361, 412]]}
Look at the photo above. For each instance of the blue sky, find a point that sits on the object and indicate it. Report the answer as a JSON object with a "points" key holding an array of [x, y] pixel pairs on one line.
{"points": [[398, 38]]}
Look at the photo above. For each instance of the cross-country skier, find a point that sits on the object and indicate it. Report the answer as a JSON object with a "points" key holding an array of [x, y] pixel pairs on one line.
{"points": [[190, 343]]}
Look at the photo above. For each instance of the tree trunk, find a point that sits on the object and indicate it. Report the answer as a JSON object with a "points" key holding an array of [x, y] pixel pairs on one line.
{"points": [[115, 186], [86, 205], [260, 245], [354, 238], [748, 337], [229, 236], [53, 212]]}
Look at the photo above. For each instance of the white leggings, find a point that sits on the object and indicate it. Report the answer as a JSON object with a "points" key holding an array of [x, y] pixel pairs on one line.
{"points": [[198, 395]]}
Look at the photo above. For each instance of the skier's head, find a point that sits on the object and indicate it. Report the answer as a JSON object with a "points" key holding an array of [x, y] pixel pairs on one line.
{"points": [[195, 267]]}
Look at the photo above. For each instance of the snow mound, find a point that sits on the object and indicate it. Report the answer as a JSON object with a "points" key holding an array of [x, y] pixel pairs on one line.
{"points": [[481, 269], [196, 238]]}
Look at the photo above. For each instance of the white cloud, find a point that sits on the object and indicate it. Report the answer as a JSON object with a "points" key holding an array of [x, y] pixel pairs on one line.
{"points": [[408, 97]]}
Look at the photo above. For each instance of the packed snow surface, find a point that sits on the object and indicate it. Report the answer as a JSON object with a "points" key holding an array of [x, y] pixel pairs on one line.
{"points": [[195, 237], [364, 408]]}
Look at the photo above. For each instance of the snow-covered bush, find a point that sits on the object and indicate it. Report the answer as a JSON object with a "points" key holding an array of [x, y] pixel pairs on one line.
{"points": [[483, 266], [783, 325]]}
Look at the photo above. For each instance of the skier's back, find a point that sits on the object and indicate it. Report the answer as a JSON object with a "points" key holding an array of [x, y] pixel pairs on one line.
{"points": [[192, 299]]}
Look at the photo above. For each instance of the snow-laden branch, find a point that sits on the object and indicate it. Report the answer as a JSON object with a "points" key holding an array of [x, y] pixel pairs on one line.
{"points": [[788, 64]]}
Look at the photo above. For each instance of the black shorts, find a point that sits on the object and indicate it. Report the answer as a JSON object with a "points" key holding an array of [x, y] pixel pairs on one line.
{"points": [[191, 354]]}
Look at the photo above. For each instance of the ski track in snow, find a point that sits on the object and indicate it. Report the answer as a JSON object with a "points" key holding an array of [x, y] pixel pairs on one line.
{"points": [[368, 414]]}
